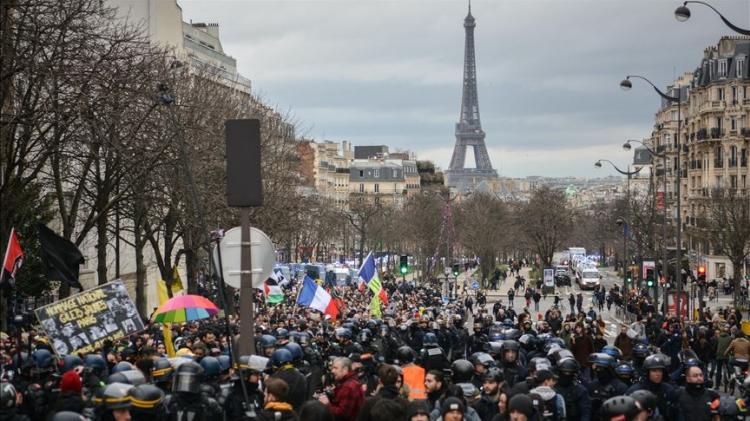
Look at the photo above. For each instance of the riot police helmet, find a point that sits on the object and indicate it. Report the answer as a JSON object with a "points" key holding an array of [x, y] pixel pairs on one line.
{"points": [[568, 366], [225, 363], [365, 335], [296, 350], [252, 364], [640, 350], [462, 371], [43, 360], [512, 334], [539, 363], [405, 354], [494, 374], [282, 334], [482, 358], [211, 366], [646, 399], [656, 361], [162, 371], [146, 399], [281, 357], [132, 377], [601, 359], [342, 332], [612, 350], [625, 370], [114, 396], [430, 339], [70, 362], [122, 366], [267, 341], [187, 378], [7, 395], [620, 406], [68, 416], [96, 364]]}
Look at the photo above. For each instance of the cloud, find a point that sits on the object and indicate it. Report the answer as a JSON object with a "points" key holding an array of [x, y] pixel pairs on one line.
{"points": [[389, 72]]}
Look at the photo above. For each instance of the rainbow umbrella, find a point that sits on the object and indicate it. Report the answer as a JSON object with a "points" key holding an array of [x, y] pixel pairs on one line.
{"points": [[185, 308]]}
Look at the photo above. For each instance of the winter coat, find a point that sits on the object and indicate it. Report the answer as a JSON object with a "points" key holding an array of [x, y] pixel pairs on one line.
{"points": [[347, 398]]}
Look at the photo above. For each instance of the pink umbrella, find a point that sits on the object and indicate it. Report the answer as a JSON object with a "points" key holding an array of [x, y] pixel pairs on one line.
{"points": [[185, 308]]}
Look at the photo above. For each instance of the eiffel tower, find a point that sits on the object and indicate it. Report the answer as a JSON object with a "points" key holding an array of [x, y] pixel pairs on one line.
{"points": [[469, 131]]}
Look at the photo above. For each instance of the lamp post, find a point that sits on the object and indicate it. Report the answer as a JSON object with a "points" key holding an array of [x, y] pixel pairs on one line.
{"points": [[682, 14], [663, 155], [626, 84], [598, 164]]}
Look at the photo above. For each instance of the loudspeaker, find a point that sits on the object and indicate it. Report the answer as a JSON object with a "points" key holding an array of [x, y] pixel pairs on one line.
{"points": [[244, 187]]}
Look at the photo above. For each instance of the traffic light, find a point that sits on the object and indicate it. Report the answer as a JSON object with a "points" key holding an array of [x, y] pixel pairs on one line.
{"points": [[404, 264], [701, 274], [628, 277], [650, 278], [456, 269]]}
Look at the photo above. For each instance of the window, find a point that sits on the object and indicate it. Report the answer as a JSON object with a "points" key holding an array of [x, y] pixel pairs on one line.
{"points": [[377, 188], [720, 94], [744, 181], [740, 66], [376, 173], [361, 173], [395, 173], [734, 95], [674, 115], [718, 181], [733, 124], [361, 188], [723, 68], [733, 181]]}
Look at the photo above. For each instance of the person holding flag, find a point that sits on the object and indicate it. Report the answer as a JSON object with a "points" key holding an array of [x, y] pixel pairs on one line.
{"points": [[368, 276]]}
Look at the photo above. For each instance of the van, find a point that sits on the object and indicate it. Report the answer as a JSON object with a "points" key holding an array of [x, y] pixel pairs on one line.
{"points": [[589, 278]]}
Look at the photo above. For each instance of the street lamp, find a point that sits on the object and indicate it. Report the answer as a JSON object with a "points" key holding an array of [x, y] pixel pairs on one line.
{"points": [[682, 14], [663, 155], [626, 84], [598, 164]]}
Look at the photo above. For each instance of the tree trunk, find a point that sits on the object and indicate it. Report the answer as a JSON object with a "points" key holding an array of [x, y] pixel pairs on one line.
{"points": [[736, 278], [101, 248], [140, 275], [361, 247]]}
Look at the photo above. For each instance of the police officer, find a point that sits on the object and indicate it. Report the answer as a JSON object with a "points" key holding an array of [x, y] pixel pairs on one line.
{"points": [[432, 355], [604, 385], [250, 369], [114, 403], [577, 402], [147, 403], [8, 410], [654, 380], [513, 371], [281, 360], [186, 402]]}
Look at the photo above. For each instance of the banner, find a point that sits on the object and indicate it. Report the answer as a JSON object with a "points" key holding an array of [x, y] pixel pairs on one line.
{"points": [[82, 322]]}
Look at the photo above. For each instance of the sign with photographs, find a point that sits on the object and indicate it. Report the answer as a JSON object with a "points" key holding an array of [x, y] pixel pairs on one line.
{"points": [[82, 322]]}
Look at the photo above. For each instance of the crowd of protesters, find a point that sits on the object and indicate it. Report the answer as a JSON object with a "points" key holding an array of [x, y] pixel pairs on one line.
{"points": [[421, 358]]}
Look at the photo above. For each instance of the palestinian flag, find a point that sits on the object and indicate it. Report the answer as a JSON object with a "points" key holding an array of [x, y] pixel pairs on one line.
{"points": [[273, 292]]}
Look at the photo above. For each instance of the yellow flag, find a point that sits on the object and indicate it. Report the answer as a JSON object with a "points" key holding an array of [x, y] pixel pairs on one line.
{"points": [[375, 307], [176, 281]]}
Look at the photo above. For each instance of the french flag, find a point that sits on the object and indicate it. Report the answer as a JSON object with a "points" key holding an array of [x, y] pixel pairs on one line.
{"points": [[314, 296]]}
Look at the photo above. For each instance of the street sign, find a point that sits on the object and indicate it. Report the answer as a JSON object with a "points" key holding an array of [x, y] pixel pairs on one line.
{"points": [[549, 277], [475, 285], [263, 256]]}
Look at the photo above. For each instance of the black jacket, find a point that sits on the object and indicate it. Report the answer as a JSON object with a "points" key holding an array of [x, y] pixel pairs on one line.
{"points": [[297, 386]]}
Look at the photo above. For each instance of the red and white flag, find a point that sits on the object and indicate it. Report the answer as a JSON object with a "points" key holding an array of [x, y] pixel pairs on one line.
{"points": [[12, 261]]}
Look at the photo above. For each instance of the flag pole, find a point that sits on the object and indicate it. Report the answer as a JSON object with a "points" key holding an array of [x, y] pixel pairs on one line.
{"points": [[294, 311]]}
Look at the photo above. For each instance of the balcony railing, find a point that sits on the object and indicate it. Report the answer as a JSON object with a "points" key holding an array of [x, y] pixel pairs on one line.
{"points": [[717, 133], [718, 163], [745, 132], [702, 134], [731, 163], [743, 162]]}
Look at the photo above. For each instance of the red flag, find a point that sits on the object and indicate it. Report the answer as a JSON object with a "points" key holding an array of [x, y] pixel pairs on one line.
{"points": [[12, 261]]}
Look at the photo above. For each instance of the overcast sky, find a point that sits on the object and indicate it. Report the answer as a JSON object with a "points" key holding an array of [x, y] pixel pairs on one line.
{"points": [[389, 72]]}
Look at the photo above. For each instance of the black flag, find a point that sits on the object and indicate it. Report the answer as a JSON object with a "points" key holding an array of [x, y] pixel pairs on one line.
{"points": [[62, 257]]}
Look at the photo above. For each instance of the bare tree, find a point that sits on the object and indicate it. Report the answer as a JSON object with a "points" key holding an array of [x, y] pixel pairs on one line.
{"points": [[482, 222], [363, 210], [728, 227], [546, 222]]}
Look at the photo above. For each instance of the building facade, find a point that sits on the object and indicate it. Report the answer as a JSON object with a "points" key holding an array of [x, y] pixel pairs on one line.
{"points": [[715, 139]]}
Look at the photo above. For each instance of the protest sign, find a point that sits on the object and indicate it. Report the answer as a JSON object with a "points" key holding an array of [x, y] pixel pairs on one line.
{"points": [[82, 322]]}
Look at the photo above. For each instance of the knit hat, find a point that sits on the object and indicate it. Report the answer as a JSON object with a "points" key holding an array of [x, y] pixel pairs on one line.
{"points": [[452, 404], [71, 382], [522, 404]]}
